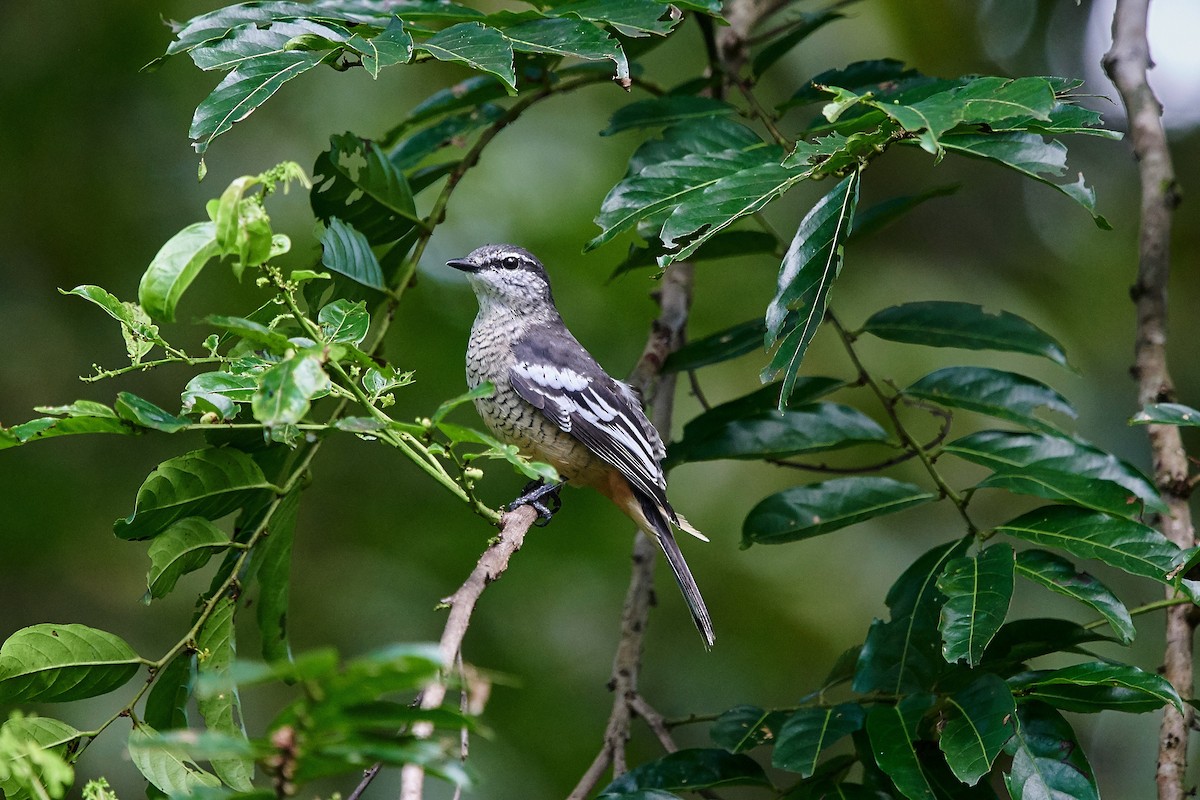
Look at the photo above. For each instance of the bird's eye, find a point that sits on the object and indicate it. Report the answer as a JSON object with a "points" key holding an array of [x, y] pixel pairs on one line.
{"points": [[510, 262]]}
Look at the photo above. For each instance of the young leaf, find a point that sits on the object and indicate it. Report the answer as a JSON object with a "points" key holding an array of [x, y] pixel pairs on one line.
{"points": [[743, 728], [476, 45], [809, 731], [1098, 685], [55, 663], [219, 392], [485, 389], [347, 251], [274, 579], [980, 720], [184, 547], [1059, 575], [805, 511], [145, 414], [343, 321], [1047, 760], [167, 767], [287, 389], [1005, 395], [174, 268], [166, 706], [205, 483], [978, 590], [222, 710], [355, 181], [893, 732], [939, 323], [812, 263], [690, 770], [1138, 549]]}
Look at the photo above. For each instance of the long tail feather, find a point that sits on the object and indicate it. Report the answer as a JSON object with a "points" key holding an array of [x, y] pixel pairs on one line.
{"points": [[679, 567]]}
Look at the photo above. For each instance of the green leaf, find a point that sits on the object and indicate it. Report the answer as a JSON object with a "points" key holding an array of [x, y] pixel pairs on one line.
{"points": [[808, 428], [743, 728], [219, 392], [940, 323], [979, 721], [355, 181], [251, 331], [634, 18], [485, 389], [184, 547], [1167, 414], [726, 245], [691, 770], [807, 24], [287, 389], [205, 483], [1059, 575], [893, 733], [812, 263], [476, 45], [806, 511], [669, 109], [811, 730], [53, 743], [1098, 685], [274, 579], [978, 591], [347, 252], [1025, 639], [1030, 155], [859, 77], [534, 470], [1047, 760], [145, 414], [1131, 546], [243, 90], [869, 220], [166, 766], [139, 333], [344, 321], [1010, 452], [392, 46], [1057, 484], [55, 663], [715, 348], [222, 711], [571, 38], [1005, 395], [448, 132], [903, 654], [174, 267], [166, 706], [50, 427]]}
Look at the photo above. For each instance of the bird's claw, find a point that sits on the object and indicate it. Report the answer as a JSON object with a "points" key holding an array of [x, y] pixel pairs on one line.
{"points": [[542, 498]]}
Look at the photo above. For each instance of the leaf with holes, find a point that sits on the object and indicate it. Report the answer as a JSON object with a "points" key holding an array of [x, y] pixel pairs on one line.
{"points": [[55, 663], [287, 389], [354, 181], [743, 728], [978, 591]]}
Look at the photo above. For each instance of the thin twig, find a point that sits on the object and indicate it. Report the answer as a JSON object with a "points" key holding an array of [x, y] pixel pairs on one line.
{"points": [[1127, 63]]}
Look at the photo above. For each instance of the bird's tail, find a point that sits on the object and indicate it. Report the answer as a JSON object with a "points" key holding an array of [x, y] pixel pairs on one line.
{"points": [[661, 529]]}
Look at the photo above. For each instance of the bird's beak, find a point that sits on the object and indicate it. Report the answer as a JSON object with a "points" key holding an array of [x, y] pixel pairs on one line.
{"points": [[465, 264]]}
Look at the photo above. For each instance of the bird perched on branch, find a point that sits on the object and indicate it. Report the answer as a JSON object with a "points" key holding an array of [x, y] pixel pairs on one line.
{"points": [[557, 405]]}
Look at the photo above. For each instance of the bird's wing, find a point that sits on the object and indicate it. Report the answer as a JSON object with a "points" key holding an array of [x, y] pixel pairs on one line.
{"points": [[556, 375]]}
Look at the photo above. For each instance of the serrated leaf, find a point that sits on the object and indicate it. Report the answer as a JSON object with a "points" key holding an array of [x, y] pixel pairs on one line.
{"points": [[1048, 762], [670, 109], [810, 731], [355, 181], [811, 428], [205, 483], [1122, 543], [1167, 414], [1005, 395], [806, 511], [633, 18], [1098, 685], [174, 267], [1060, 575], [938, 323], [692, 770], [222, 710], [979, 721], [274, 579], [743, 728], [166, 706], [571, 38], [344, 321], [287, 389], [393, 45], [476, 45], [184, 547], [346, 251], [893, 733], [978, 591], [167, 767], [812, 263], [143, 413], [55, 663]]}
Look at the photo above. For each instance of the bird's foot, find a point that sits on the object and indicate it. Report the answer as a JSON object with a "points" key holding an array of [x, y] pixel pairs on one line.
{"points": [[543, 498]]}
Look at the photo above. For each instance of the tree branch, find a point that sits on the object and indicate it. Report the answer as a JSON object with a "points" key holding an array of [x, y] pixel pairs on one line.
{"points": [[1127, 63]]}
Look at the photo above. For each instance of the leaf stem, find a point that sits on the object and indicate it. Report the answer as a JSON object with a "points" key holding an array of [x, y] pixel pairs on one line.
{"points": [[1168, 602]]}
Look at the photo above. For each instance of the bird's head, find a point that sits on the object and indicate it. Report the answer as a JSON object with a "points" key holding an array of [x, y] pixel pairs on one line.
{"points": [[507, 276]]}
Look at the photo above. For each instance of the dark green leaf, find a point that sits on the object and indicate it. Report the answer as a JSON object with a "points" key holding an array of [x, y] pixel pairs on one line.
{"points": [[1059, 575], [940, 323], [568, 37], [451, 131], [1167, 414], [1097, 685], [50, 427], [903, 654], [1011, 452], [145, 414], [167, 767], [805, 511], [729, 244], [715, 348], [222, 711], [743, 728], [355, 181], [630, 17], [869, 220], [1005, 395], [347, 251], [691, 770], [243, 90], [811, 730], [764, 399], [978, 591], [274, 579], [184, 547], [343, 321], [287, 389], [773, 434], [392, 46], [666, 110], [980, 720], [205, 483], [860, 77], [1047, 760], [166, 707], [1024, 639], [56, 663], [1122, 543], [219, 392], [477, 46], [893, 733], [807, 24], [466, 94], [174, 268], [812, 263]]}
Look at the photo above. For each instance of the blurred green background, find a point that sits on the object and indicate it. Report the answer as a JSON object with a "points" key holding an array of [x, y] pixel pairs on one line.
{"points": [[96, 172]]}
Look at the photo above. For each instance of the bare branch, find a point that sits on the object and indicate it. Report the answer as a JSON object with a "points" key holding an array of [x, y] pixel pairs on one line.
{"points": [[1127, 64]]}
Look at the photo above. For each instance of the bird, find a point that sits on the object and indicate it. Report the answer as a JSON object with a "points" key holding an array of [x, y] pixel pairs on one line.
{"points": [[556, 404]]}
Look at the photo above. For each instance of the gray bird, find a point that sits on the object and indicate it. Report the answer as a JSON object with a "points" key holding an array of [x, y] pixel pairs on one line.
{"points": [[557, 405]]}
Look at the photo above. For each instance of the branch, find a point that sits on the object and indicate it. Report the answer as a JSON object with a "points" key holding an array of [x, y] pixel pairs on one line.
{"points": [[1127, 64]]}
